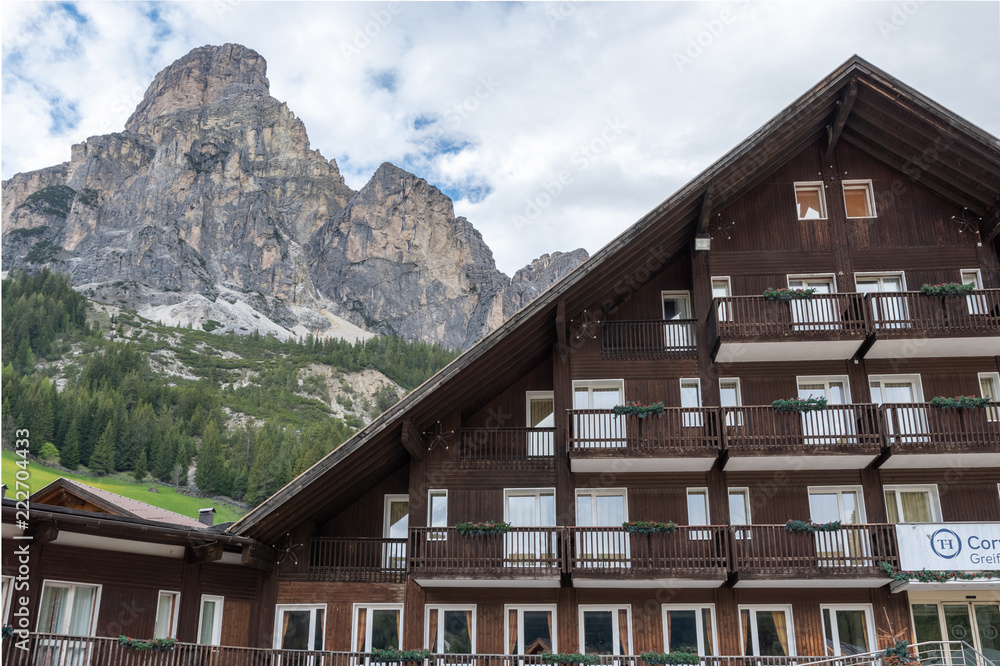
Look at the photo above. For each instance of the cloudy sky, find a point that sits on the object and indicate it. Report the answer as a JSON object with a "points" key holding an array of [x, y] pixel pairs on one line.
{"points": [[551, 125]]}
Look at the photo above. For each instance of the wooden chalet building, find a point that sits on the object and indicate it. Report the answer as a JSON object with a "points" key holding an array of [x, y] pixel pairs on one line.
{"points": [[861, 192]]}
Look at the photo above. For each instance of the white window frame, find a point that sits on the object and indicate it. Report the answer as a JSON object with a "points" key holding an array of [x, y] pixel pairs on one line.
{"points": [[753, 608], [369, 624], [722, 314], [826, 380], [520, 608], [869, 191], [279, 610], [431, 494], [698, 535], [8, 597], [441, 608], [175, 613], [840, 490], [591, 384], [733, 419], [387, 510], [869, 275], [528, 492], [598, 492], [680, 295], [216, 619], [745, 491], [691, 419], [992, 413], [816, 277], [72, 585], [535, 395], [700, 627], [934, 498], [811, 185], [914, 379], [833, 608], [540, 443], [614, 625]]}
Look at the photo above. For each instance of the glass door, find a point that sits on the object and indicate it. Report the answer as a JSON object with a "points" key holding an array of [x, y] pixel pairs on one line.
{"points": [[602, 508], [975, 623], [530, 548], [605, 630], [888, 311], [814, 314], [907, 424], [599, 430], [541, 414], [847, 630], [677, 309], [844, 548], [396, 525], [827, 426]]}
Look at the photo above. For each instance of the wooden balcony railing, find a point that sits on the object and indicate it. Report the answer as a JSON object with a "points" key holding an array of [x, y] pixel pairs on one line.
{"points": [[691, 552], [678, 431], [506, 448], [647, 340], [755, 317], [759, 429], [523, 552], [771, 551], [923, 428], [911, 314], [358, 559]]}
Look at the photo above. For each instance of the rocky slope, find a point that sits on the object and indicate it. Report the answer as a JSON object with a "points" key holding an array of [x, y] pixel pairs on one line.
{"points": [[210, 205]]}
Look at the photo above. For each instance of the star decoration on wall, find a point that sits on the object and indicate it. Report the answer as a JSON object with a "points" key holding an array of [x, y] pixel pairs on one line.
{"points": [[438, 436], [832, 177], [586, 327], [287, 552], [721, 228], [966, 221]]}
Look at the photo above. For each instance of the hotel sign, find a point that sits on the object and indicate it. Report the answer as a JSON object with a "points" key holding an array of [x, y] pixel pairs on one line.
{"points": [[949, 547]]}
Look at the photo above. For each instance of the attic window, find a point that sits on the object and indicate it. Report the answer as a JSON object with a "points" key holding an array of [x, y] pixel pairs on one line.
{"points": [[859, 199], [810, 201]]}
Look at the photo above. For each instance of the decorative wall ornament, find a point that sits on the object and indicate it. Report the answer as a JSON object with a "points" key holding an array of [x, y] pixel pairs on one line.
{"points": [[438, 437], [966, 221], [586, 326], [287, 552], [831, 178], [720, 228]]}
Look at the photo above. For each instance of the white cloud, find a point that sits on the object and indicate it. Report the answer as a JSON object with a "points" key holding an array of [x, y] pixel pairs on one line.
{"points": [[499, 98]]}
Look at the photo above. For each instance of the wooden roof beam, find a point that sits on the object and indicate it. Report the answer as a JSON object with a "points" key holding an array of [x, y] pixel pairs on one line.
{"points": [[989, 226], [844, 107], [42, 533], [205, 552], [258, 556], [706, 209], [412, 441]]}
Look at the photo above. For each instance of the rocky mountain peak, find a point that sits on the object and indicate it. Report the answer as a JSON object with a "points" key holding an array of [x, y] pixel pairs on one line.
{"points": [[201, 78]]}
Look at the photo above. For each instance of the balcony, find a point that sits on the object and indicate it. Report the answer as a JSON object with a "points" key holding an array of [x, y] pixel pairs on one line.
{"points": [[611, 557], [771, 556], [506, 448], [837, 437], [361, 560], [648, 340], [682, 439], [921, 435], [752, 328], [441, 557], [912, 325]]}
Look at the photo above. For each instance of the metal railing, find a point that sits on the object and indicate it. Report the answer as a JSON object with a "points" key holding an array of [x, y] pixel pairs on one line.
{"points": [[691, 551], [853, 550], [524, 552], [506, 448], [760, 428], [358, 559], [904, 314], [649, 340], [677, 431]]}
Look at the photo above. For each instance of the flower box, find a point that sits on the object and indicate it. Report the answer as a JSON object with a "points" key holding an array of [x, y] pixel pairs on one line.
{"points": [[569, 658], [155, 645], [960, 402], [799, 526], [947, 289], [799, 405], [394, 655], [649, 527], [638, 409], [482, 528], [771, 294], [670, 657]]}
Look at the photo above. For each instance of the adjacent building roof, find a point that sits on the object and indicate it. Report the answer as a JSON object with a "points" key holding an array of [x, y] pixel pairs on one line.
{"points": [[857, 103]]}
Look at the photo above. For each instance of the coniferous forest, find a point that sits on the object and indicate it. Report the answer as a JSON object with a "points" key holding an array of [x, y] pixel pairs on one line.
{"points": [[93, 400]]}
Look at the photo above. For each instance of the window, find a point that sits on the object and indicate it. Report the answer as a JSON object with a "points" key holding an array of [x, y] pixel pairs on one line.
{"points": [[691, 400], [912, 504], [68, 608], [376, 626], [6, 596], [530, 629], [679, 333], [167, 607], [739, 510], [888, 311], [827, 426], [298, 627], [730, 395], [848, 630], [530, 507], [437, 513], [820, 314], [604, 507], [859, 199], [976, 303], [906, 420], [810, 201], [601, 429], [697, 500], [605, 630], [676, 305], [829, 504], [722, 288], [540, 413], [450, 629], [690, 628], [767, 630], [210, 620], [395, 525], [846, 547], [989, 387]]}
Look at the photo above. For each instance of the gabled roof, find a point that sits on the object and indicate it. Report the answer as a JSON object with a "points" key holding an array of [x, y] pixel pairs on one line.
{"points": [[857, 103], [72, 495]]}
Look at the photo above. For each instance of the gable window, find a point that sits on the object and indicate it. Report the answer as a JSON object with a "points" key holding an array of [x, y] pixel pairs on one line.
{"points": [[859, 198], [767, 631], [530, 629], [376, 626], [690, 628], [598, 429], [540, 413], [450, 629], [167, 606], [395, 525], [691, 402], [722, 288], [299, 627], [810, 201], [912, 504], [848, 629], [605, 630], [210, 620], [437, 513]]}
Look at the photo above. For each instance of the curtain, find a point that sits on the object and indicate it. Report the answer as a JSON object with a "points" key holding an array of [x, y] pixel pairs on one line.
{"points": [[779, 625], [890, 506], [468, 624], [362, 629], [623, 637], [548, 621], [284, 627], [395, 624], [512, 631], [916, 507], [745, 622], [706, 618], [540, 411], [432, 626]]}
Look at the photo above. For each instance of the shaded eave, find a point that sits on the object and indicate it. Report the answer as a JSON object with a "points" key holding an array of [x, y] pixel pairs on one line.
{"points": [[858, 104]]}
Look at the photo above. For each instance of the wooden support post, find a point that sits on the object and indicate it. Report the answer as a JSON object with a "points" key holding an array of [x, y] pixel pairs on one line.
{"points": [[835, 128], [706, 208], [561, 324], [412, 441], [204, 552], [258, 556], [562, 401], [43, 533]]}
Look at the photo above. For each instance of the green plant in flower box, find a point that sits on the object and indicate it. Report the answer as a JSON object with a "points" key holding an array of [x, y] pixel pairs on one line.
{"points": [[670, 657], [799, 526], [638, 409], [799, 404], [783, 294], [155, 645], [396, 655], [649, 527], [947, 289], [569, 658], [482, 528], [960, 402]]}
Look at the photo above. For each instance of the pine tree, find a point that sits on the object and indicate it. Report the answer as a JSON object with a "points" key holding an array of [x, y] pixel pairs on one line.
{"points": [[180, 471], [102, 461], [69, 455], [141, 465], [210, 475]]}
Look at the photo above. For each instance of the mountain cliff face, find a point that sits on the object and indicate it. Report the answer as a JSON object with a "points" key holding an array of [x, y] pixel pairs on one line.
{"points": [[210, 205]]}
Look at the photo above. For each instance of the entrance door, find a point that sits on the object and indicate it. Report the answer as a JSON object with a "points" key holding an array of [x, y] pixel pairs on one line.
{"points": [[973, 622], [827, 426], [906, 423], [889, 311], [814, 315]]}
